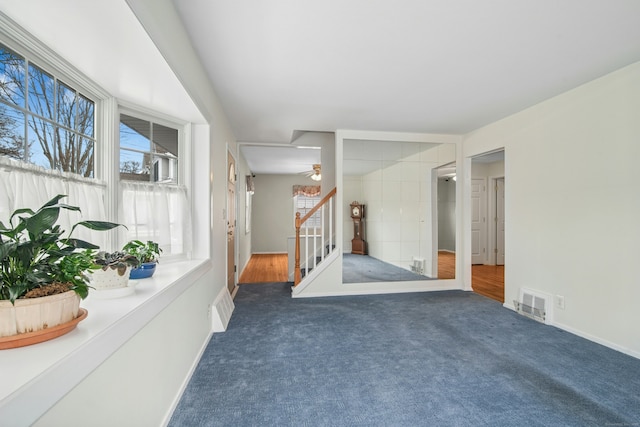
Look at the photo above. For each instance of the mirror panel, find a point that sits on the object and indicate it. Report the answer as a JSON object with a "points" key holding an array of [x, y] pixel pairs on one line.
{"points": [[409, 196]]}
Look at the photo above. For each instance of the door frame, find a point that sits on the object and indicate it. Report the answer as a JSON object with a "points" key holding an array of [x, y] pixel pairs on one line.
{"points": [[492, 259], [232, 204]]}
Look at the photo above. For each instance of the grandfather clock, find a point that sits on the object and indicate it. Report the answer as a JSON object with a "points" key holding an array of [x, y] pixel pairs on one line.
{"points": [[358, 244]]}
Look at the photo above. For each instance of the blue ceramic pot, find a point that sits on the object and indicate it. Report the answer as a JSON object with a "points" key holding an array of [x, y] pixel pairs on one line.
{"points": [[144, 270]]}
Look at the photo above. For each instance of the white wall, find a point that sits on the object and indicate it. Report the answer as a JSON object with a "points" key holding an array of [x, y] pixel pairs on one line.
{"points": [[447, 215], [273, 211], [572, 205], [139, 382]]}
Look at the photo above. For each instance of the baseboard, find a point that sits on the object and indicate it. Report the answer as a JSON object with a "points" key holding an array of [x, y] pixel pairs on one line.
{"points": [[398, 290], [597, 340], [589, 337], [269, 253], [185, 383]]}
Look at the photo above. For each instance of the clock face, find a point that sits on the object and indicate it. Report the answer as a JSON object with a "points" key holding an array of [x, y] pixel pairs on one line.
{"points": [[355, 211]]}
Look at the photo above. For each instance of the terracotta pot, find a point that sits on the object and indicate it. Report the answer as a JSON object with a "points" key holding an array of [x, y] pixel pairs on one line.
{"points": [[35, 314]]}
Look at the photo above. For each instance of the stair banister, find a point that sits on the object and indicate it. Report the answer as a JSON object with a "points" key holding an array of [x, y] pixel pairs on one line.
{"points": [[297, 275]]}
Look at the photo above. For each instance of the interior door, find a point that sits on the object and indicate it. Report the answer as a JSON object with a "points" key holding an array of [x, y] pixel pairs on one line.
{"points": [[478, 220], [500, 221], [231, 224]]}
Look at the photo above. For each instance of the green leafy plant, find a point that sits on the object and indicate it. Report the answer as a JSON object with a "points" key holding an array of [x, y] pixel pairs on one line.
{"points": [[145, 252], [115, 261], [35, 255]]}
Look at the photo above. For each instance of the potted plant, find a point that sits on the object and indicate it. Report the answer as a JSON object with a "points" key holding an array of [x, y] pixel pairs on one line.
{"points": [[112, 270], [43, 275], [147, 254]]}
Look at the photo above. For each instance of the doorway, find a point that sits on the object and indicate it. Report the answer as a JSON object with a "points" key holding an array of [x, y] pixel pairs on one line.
{"points": [[488, 225]]}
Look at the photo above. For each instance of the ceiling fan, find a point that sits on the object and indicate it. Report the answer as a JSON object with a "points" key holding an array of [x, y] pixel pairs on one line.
{"points": [[314, 173]]}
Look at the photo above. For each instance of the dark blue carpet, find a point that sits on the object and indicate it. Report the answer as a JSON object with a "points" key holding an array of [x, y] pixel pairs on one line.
{"points": [[423, 359]]}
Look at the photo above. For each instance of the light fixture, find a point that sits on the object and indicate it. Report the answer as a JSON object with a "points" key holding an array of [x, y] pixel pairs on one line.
{"points": [[316, 176]]}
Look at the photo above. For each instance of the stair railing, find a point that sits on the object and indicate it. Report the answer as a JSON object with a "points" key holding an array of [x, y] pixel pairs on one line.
{"points": [[326, 207]]}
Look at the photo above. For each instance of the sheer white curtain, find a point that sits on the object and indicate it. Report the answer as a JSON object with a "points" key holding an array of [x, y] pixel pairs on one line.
{"points": [[25, 185], [157, 212]]}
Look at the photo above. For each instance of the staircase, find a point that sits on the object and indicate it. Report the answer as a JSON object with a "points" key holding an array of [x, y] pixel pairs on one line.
{"points": [[308, 252]]}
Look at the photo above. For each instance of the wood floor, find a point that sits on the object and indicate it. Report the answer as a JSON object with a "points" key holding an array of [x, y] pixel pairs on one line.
{"points": [[265, 268], [486, 280]]}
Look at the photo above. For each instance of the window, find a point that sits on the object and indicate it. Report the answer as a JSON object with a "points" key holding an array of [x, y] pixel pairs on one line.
{"points": [[304, 204], [153, 204], [43, 120], [148, 151], [50, 121]]}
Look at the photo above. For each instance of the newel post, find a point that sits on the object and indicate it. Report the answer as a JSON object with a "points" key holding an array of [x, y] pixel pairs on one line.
{"points": [[297, 277]]}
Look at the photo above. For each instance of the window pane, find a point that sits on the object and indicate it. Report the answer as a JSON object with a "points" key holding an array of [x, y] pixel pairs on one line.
{"points": [[12, 66], [165, 169], [41, 87], [66, 106], [165, 140], [73, 153], [85, 157], [135, 133], [41, 143], [134, 165], [86, 115], [11, 132]]}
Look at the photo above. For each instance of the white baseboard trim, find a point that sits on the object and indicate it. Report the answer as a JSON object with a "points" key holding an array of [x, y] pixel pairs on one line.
{"points": [[183, 387], [589, 337], [597, 340]]}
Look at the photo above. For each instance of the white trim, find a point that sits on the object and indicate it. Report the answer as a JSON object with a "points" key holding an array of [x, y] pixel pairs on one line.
{"points": [[185, 383], [19, 39], [586, 336], [598, 340]]}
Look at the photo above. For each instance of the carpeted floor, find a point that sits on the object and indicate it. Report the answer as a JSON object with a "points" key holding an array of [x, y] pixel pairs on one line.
{"points": [[364, 268], [425, 359]]}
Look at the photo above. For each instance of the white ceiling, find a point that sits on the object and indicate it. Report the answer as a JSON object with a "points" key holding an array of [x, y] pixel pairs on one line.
{"points": [[436, 66], [282, 159], [105, 41]]}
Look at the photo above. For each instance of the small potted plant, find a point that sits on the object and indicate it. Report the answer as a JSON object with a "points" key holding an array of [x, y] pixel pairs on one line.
{"points": [[112, 270], [43, 275], [147, 254]]}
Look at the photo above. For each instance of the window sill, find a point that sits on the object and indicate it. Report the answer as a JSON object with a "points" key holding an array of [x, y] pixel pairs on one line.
{"points": [[37, 376]]}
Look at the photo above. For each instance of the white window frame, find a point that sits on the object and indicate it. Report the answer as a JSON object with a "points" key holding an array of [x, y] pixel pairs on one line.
{"points": [[184, 157]]}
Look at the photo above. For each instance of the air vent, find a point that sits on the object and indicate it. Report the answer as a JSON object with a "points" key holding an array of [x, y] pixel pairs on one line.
{"points": [[535, 305], [223, 307], [418, 265]]}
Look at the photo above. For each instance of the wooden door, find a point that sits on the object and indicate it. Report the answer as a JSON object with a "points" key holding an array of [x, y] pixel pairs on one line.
{"points": [[478, 220], [231, 224]]}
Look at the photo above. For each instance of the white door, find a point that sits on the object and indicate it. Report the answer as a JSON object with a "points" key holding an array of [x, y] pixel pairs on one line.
{"points": [[500, 221], [478, 220]]}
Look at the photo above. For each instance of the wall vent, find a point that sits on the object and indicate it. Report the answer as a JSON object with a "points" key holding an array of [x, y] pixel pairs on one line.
{"points": [[419, 265], [223, 307], [535, 305]]}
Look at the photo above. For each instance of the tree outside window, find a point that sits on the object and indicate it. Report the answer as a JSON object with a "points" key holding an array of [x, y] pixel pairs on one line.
{"points": [[43, 120]]}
